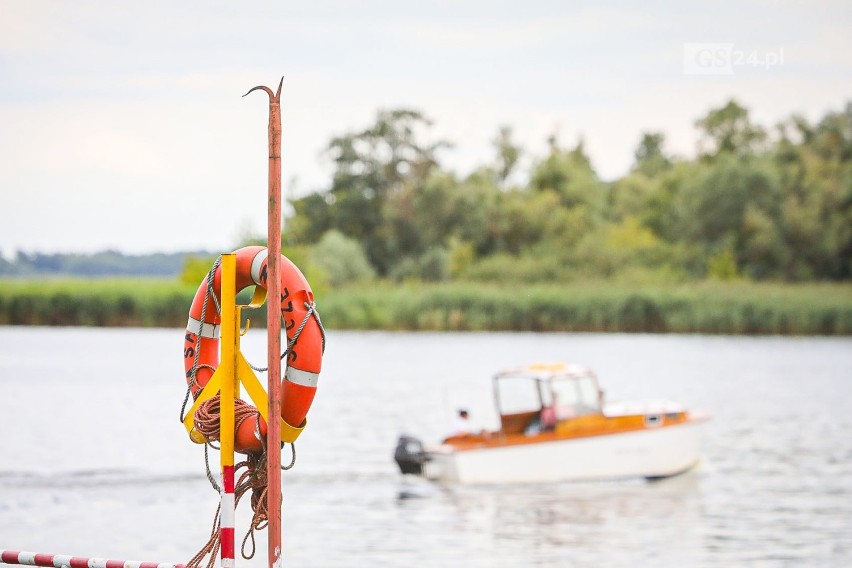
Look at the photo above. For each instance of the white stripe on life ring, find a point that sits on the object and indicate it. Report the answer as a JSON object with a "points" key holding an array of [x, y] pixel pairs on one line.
{"points": [[300, 377], [255, 265], [208, 330]]}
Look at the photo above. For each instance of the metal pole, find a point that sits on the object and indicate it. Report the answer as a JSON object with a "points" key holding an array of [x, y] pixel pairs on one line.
{"points": [[273, 306]]}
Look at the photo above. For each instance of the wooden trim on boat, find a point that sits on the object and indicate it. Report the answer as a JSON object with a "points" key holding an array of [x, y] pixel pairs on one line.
{"points": [[575, 428]]}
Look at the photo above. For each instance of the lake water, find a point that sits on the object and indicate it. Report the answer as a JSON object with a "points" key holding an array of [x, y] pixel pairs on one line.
{"points": [[95, 463]]}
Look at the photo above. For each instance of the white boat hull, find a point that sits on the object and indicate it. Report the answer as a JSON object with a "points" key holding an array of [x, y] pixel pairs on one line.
{"points": [[652, 452]]}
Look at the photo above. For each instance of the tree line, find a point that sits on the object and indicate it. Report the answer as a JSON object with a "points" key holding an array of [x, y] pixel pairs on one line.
{"points": [[752, 235], [755, 203], [104, 263]]}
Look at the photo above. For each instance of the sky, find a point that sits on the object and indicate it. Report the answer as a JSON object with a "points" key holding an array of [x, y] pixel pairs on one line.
{"points": [[123, 127]]}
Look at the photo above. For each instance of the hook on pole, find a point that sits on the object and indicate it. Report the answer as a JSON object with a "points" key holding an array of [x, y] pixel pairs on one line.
{"points": [[273, 97]]}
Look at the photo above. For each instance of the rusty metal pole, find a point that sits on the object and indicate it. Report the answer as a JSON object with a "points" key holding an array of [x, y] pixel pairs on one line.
{"points": [[273, 307]]}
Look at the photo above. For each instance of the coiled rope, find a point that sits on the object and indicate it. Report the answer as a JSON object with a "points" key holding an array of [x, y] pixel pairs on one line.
{"points": [[254, 478]]}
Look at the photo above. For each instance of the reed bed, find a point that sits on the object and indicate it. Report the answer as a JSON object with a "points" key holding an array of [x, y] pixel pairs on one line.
{"points": [[740, 308], [120, 302]]}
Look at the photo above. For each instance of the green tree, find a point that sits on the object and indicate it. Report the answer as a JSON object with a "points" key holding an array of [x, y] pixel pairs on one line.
{"points": [[479, 203], [195, 268], [571, 176], [832, 137], [6, 267], [631, 195], [341, 259], [749, 207], [508, 153], [370, 167], [814, 165], [737, 202], [650, 159], [728, 130]]}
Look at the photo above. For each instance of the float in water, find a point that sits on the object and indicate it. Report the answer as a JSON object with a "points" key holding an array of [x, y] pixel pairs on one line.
{"points": [[555, 426]]}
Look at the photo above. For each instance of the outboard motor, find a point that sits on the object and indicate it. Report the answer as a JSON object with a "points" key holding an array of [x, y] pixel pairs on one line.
{"points": [[410, 455]]}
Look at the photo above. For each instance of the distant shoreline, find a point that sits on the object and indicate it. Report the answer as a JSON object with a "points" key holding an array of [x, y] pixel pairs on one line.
{"points": [[738, 308]]}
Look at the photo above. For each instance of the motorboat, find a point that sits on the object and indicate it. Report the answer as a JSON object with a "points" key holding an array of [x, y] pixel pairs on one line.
{"points": [[556, 426]]}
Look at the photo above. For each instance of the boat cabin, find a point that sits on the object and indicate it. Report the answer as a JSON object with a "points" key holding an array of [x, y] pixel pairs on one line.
{"points": [[535, 398]]}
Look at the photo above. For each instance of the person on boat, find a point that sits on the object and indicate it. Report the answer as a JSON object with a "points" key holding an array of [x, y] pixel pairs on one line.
{"points": [[544, 421], [548, 418], [461, 426]]}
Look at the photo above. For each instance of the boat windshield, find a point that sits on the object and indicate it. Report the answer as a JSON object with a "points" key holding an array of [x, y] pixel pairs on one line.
{"points": [[575, 396], [518, 394]]}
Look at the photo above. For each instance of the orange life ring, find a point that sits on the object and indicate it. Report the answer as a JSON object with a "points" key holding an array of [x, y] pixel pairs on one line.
{"points": [[201, 341]]}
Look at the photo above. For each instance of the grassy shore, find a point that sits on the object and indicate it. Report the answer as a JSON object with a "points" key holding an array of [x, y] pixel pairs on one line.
{"points": [[703, 307], [120, 302]]}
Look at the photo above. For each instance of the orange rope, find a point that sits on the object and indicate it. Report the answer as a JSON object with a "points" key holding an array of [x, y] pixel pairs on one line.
{"points": [[207, 417], [254, 478]]}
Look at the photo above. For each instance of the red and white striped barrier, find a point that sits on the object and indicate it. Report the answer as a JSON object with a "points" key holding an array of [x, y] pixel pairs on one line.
{"points": [[64, 561]]}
